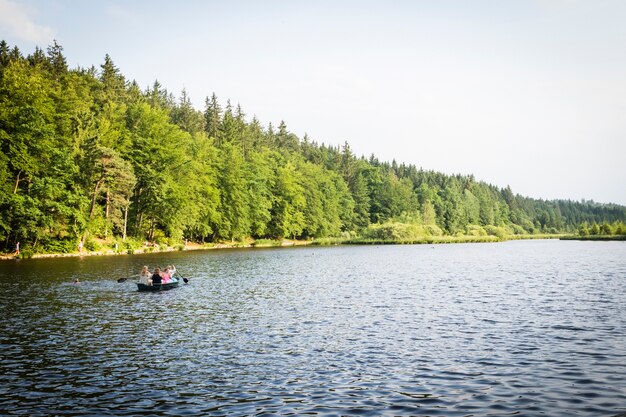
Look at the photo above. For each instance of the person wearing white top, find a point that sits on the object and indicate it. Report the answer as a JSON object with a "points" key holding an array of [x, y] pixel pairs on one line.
{"points": [[145, 276]]}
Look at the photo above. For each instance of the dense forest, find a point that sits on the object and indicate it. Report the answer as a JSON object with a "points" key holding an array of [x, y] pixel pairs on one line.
{"points": [[88, 154]]}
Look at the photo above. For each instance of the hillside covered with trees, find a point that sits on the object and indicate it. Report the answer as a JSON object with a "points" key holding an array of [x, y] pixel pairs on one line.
{"points": [[87, 153]]}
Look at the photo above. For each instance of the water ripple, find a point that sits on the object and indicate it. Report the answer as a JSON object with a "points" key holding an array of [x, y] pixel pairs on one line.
{"points": [[519, 328]]}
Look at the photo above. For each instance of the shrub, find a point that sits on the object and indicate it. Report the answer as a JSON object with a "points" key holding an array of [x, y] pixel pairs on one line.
{"points": [[499, 232], [606, 229], [518, 230], [475, 230], [159, 237], [91, 245], [404, 232], [59, 246], [393, 231], [26, 253], [433, 230], [528, 226], [582, 230], [131, 244]]}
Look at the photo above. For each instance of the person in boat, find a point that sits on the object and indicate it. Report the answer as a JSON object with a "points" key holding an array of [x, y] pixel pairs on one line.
{"points": [[166, 275], [156, 277], [144, 276], [172, 270]]}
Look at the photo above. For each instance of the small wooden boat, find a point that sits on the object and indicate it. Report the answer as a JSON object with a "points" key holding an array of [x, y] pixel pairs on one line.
{"points": [[158, 287]]}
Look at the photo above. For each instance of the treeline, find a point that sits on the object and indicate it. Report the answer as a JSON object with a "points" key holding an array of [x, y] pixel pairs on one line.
{"points": [[603, 229], [88, 153]]}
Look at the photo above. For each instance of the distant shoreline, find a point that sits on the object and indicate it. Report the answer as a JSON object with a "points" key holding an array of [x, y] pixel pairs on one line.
{"points": [[320, 242], [599, 238]]}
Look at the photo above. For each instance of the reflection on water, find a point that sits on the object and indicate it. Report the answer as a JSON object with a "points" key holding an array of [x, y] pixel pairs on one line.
{"points": [[528, 328]]}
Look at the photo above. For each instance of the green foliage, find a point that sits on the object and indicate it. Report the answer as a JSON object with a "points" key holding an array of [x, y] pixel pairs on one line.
{"points": [[159, 238], [475, 230], [595, 230], [27, 253], [396, 231], [66, 245], [433, 230], [91, 245], [605, 229], [86, 154], [518, 230], [499, 232]]}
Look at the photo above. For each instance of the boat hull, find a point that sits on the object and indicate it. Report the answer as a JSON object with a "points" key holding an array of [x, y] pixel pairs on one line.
{"points": [[158, 287]]}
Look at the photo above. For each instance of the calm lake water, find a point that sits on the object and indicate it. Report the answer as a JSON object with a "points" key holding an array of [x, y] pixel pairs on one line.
{"points": [[533, 328]]}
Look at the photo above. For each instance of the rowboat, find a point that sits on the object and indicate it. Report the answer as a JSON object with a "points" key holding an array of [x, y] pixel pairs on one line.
{"points": [[158, 287]]}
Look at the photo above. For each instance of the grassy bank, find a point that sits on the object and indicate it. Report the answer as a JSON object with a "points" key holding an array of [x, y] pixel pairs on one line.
{"points": [[424, 240], [537, 236], [448, 239], [595, 238], [108, 248]]}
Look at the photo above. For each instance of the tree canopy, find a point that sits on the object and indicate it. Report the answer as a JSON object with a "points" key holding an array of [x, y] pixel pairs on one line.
{"points": [[88, 153]]}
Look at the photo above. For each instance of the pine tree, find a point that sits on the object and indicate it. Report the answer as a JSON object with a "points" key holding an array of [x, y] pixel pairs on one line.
{"points": [[212, 116], [58, 63], [186, 117]]}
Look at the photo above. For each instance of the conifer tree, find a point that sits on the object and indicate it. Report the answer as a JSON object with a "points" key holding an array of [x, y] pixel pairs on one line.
{"points": [[212, 116]]}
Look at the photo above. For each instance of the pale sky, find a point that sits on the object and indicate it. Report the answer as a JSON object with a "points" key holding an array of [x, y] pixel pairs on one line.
{"points": [[530, 94]]}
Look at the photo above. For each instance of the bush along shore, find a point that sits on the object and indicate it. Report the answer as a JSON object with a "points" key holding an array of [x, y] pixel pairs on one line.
{"points": [[109, 248]]}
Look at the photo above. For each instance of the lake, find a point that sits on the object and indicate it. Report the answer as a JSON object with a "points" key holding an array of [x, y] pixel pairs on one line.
{"points": [[532, 328]]}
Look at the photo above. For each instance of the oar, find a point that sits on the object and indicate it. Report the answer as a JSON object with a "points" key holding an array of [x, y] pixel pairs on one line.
{"points": [[184, 279]]}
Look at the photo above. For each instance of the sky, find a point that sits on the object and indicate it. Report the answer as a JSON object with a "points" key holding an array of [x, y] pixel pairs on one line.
{"points": [[525, 93]]}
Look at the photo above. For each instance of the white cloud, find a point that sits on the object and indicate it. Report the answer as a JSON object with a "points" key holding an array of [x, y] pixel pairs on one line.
{"points": [[17, 19]]}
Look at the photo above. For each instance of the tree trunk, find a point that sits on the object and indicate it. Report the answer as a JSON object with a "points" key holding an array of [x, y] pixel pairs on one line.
{"points": [[17, 182], [93, 198], [106, 214], [125, 222], [139, 222], [139, 211], [151, 233]]}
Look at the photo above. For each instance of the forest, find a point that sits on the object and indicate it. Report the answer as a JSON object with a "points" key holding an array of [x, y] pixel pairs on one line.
{"points": [[88, 154]]}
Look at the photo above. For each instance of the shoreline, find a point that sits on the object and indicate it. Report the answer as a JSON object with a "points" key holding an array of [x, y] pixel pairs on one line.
{"points": [[292, 243], [151, 250], [597, 238], [266, 243]]}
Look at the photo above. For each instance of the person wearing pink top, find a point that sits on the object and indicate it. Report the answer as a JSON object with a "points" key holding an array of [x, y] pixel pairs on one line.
{"points": [[166, 276]]}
